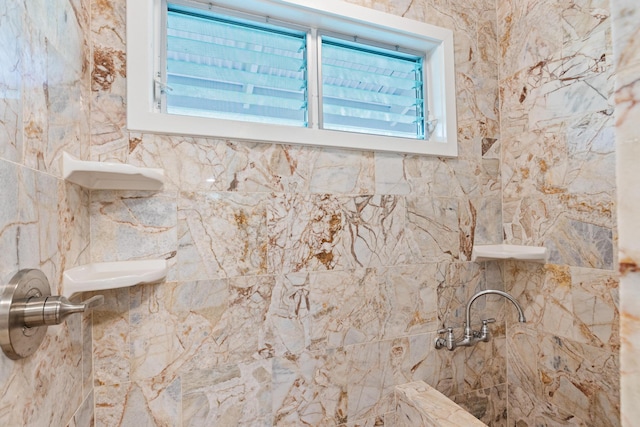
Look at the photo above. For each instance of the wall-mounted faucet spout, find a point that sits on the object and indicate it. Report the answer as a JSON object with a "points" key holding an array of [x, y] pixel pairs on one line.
{"points": [[472, 337], [521, 317]]}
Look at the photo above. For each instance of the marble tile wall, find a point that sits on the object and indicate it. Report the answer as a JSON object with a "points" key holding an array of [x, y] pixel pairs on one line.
{"points": [[305, 283], [559, 190], [626, 29], [44, 222]]}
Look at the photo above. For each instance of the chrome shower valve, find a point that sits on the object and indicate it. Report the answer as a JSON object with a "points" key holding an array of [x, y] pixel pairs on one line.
{"points": [[27, 309]]}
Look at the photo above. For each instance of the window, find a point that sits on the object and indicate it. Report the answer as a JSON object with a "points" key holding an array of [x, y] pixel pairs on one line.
{"points": [[284, 71]]}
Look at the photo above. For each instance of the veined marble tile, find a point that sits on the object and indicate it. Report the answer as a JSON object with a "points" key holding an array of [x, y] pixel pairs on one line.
{"points": [[190, 164], [288, 321], [347, 308], [230, 395], [522, 366], [109, 138], [306, 233], [544, 292], [374, 230], [342, 172], [11, 106], [630, 337], [485, 363], [374, 371], [444, 370], [411, 293], [35, 118], [387, 419], [170, 324], [432, 231], [391, 177], [463, 281], [74, 226], [111, 338], [527, 410], [84, 416], [29, 224], [489, 405], [222, 235], [436, 178], [528, 33], [580, 379], [180, 327], [420, 404], [311, 389], [128, 225], [143, 403], [56, 368], [596, 307]]}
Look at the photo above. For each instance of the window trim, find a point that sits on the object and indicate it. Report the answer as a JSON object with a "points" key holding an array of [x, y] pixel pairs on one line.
{"points": [[332, 15]]}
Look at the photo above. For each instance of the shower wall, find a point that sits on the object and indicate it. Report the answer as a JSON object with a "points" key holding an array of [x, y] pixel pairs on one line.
{"points": [[626, 31], [558, 181], [44, 222], [304, 282]]}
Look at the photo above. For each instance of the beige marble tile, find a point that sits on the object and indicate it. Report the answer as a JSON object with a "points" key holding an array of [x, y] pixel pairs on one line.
{"points": [[420, 404], [233, 395], [596, 307], [580, 379], [143, 403], [432, 231], [488, 405], [222, 235], [128, 225], [84, 416], [411, 294], [109, 137], [311, 388], [374, 231], [111, 339], [306, 233], [11, 105], [347, 307], [526, 410]]}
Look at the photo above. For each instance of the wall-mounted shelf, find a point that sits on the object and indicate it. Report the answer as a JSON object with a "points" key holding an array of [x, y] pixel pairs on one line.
{"points": [[111, 275], [110, 176], [483, 253]]}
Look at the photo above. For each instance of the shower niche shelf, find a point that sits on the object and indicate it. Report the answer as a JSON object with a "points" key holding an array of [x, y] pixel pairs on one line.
{"points": [[111, 275], [483, 253], [110, 176]]}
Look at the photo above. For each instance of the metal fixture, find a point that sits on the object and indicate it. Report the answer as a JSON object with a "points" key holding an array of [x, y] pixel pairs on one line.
{"points": [[472, 337], [27, 309]]}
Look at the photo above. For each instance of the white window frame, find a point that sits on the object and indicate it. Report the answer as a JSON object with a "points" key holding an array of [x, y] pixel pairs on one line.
{"points": [[144, 35]]}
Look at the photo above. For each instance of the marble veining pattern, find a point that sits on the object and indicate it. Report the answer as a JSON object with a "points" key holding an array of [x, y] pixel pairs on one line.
{"points": [[306, 283], [626, 29]]}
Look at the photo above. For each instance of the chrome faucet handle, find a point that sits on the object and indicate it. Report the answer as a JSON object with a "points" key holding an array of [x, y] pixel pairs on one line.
{"points": [[53, 310], [27, 309], [485, 334], [449, 341]]}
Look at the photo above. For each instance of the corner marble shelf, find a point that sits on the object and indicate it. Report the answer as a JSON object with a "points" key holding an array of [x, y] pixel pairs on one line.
{"points": [[111, 275], [483, 253], [110, 176]]}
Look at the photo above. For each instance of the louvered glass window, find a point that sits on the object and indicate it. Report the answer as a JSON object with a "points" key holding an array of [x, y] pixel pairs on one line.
{"points": [[230, 68], [376, 91], [233, 69]]}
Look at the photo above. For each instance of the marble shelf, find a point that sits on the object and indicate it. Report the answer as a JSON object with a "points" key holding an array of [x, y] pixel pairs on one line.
{"points": [[483, 253], [110, 176], [111, 275]]}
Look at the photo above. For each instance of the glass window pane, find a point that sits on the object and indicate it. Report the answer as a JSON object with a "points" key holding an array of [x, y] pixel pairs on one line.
{"points": [[226, 68], [370, 90]]}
